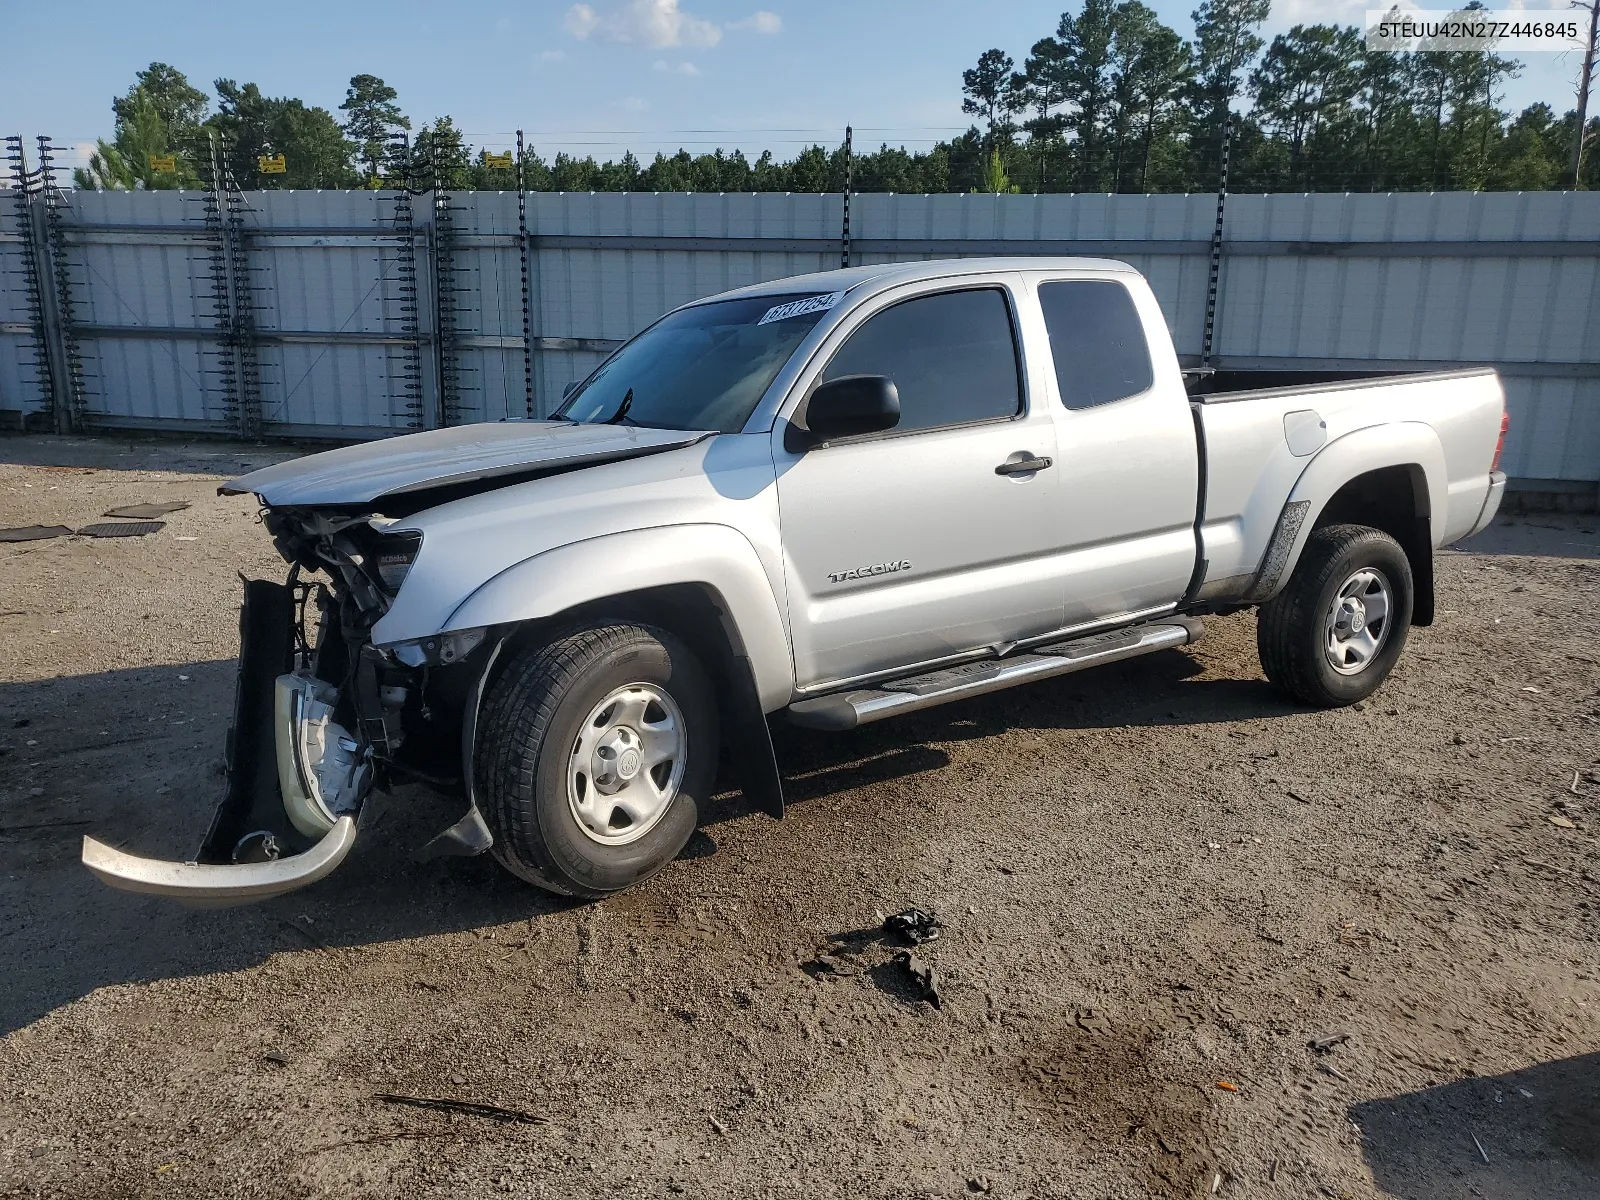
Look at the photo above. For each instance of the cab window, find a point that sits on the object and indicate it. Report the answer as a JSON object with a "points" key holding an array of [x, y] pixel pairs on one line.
{"points": [[1097, 341], [952, 356]]}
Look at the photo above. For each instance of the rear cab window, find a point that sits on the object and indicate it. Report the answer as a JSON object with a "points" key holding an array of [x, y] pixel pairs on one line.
{"points": [[1097, 341], [952, 356]]}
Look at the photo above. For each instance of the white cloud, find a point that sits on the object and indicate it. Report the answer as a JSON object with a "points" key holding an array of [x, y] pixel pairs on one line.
{"points": [[656, 23], [1341, 12], [682, 68], [760, 22], [552, 55], [633, 104], [581, 21]]}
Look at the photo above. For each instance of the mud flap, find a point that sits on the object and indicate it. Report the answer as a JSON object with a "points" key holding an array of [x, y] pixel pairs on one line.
{"points": [[470, 835], [754, 757]]}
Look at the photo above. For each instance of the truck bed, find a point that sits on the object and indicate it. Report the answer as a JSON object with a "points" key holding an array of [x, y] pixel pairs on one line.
{"points": [[1264, 447]]}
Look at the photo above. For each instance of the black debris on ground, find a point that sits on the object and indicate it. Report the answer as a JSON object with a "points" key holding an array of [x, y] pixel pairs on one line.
{"points": [[128, 529], [922, 974], [33, 533], [914, 926], [148, 512]]}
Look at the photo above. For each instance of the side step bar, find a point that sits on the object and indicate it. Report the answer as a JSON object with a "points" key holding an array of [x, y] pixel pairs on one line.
{"points": [[846, 710]]}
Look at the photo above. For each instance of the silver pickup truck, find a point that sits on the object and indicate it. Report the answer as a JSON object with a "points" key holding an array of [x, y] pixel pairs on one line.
{"points": [[837, 497]]}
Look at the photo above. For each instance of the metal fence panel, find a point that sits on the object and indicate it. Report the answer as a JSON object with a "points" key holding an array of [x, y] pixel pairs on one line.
{"points": [[21, 388], [1510, 288], [344, 322]]}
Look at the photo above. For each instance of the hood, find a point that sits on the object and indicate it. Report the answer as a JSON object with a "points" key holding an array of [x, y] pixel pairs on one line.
{"points": [[491, 455]]}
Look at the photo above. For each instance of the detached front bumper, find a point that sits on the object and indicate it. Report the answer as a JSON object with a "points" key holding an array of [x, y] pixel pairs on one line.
{"points": [[208, 885], [296, 781]]}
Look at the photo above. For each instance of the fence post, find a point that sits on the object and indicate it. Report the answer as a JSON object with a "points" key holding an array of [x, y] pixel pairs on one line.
{"points": [[242, 303], [447, 288], [209, 160], [71, 402], [849, 180], [527, 314], [1215, 276], [47, 367], [401, 312]]}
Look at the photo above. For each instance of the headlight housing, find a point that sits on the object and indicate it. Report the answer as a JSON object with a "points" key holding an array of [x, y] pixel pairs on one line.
{"points": [[437, 650]]}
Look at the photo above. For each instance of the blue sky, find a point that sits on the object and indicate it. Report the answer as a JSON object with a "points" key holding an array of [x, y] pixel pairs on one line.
{"points": [[597, 77]]}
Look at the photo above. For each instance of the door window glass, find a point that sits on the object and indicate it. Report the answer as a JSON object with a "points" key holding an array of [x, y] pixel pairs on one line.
{"points": [[952, 357], [1097, 341]]}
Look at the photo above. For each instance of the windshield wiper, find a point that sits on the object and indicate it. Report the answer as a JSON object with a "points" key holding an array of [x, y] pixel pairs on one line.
{"points": [[621, 414]]}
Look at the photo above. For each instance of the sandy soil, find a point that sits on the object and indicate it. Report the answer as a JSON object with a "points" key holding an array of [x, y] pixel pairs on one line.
{"points": [[1161, 882]]}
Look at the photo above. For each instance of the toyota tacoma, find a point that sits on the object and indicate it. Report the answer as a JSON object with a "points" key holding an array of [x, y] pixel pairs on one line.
{"points": [[836, 498]]}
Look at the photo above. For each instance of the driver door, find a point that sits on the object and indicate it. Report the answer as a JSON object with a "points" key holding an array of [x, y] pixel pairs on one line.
{"points": [[923, 541]]}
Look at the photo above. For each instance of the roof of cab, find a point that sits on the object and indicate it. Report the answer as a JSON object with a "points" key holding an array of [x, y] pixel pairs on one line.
{"points": [[885, 274]]}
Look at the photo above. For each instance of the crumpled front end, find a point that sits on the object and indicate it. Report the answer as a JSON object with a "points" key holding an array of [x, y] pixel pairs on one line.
{"points": [[320, 719]]}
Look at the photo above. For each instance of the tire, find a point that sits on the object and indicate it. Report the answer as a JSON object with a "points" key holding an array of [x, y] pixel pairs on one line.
{"points": [[540, 762], [1301, 632]]}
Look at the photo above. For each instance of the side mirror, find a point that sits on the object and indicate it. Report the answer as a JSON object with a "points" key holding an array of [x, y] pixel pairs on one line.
{"points": [[572, 386], [850, 405]]}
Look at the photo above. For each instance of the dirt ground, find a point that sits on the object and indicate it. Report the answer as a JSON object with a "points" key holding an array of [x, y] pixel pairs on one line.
{"points": [[1160, 883]]}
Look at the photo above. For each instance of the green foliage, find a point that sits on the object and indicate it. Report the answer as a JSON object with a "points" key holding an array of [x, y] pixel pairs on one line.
{"points": [[1113, 101], [373, 119], [1225, 45], [1307, 79], [443, 158], [991, 91], [254, 126], [180, 105], [142, 134], [995, 180]]}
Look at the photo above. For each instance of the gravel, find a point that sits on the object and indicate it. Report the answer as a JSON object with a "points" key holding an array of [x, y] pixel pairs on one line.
{"points": [[1158, 884]]}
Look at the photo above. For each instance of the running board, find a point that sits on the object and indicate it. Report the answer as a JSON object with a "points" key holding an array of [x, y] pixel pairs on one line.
{"points": [[846, 710]]}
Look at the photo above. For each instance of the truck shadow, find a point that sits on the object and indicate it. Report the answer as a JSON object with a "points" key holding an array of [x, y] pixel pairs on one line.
{"points": [[206, 456], [134, 757], [1159, 689], [1537, 1135], [1538, 535]]}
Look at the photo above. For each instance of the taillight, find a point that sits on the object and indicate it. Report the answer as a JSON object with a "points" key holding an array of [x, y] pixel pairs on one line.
{"points": [[1500, 446]]}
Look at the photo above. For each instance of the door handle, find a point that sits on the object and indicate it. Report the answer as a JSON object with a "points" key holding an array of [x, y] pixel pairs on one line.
{"points": [[1023, 466]]}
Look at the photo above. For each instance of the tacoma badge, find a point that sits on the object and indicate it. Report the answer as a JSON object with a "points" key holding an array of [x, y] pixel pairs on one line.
{"points": [[887, 568]]}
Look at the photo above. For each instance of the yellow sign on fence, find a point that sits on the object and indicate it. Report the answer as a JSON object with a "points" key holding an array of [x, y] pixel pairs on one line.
{"points": [[272, 164], [160, 162], [502, 161]]}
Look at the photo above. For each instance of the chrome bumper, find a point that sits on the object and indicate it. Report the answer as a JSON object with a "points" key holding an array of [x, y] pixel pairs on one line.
{"points": [[205, 885]]}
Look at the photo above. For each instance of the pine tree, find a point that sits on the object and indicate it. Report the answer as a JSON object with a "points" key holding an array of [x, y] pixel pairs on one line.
{"points": [[373, 119]]}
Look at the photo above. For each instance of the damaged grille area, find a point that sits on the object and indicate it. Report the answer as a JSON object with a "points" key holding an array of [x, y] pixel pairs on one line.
{"points": [[322, 716]]}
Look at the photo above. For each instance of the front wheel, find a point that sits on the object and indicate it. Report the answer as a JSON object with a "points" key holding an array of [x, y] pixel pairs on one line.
{"points": [[594, 752], [1333, 634]]}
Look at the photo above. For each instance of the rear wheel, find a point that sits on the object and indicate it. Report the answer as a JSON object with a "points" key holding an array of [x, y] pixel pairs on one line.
{"points": [[1333, 634], [594, 752]]}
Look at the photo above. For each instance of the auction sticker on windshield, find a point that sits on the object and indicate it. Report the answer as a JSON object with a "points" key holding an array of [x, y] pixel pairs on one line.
{"points": [[799, 308]]}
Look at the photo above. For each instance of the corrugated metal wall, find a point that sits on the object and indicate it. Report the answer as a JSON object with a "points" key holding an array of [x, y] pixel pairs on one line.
{"points": [[20, 389], [1308, 283]]}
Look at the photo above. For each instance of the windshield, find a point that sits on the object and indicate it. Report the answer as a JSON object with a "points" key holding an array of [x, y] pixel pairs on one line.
{"points": [[704, 367]]}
